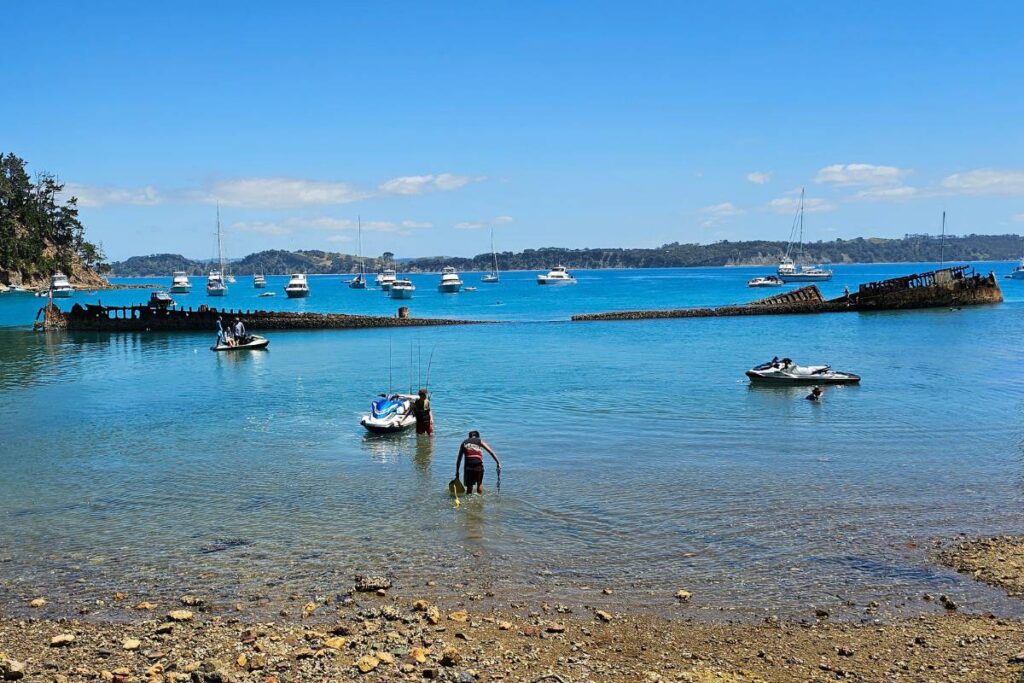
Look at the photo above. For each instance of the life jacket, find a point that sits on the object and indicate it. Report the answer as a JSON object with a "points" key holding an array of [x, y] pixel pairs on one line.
{"points": [[473, 449], [421, 407]]}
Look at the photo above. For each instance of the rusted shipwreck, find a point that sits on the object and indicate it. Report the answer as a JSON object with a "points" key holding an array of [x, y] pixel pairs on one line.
{"points": [[946, 287], [156, 317]]}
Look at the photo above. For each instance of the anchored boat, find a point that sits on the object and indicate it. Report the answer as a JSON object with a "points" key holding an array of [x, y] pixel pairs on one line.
{"points": [[386, 278], [450, 282], [215, 281], [788, 270], [492, 277], [402, 289], [180, 283], [389, 414], [60, 287], [785, 371], [558, 276], [297, 287], [766, 281]]}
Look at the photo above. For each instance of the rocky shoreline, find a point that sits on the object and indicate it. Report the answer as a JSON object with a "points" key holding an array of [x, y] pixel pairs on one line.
{"points": [[366, 632]]}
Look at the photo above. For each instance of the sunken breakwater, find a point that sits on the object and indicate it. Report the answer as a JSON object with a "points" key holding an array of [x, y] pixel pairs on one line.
{"points": [[946, 287]]}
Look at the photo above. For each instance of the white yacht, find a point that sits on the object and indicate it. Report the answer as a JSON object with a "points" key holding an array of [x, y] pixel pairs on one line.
{"points": [[215, 280], [259, 281], [402, 289], [297, 287], [558, 276], [450, 282], [1018, 272], [180, 283], [765, 281], [789, 270], [492, 277], [359, 281], [60, 287], [386, 278]]}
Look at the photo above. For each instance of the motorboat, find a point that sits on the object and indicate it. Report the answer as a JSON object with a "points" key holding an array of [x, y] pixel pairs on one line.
{"points": [[259, 281], [386, 278], [60, 287], [268, 294], [402, 289], [297, 287], [230, 279], [450, 281], [765, 281], [471, 289], [358, 282], [252, 342], [390, 413], [785, 371], [180, 284], [788, 270], [557, 276], [161, 299], [215, 284], [1018, 272]]}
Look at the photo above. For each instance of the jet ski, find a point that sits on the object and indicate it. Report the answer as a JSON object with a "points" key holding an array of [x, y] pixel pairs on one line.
{"points": [[250, 343], [786, 371], [389, 414]]}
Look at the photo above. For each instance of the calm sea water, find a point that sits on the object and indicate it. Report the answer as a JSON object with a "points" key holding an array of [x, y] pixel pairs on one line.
{"points": [[637, 456]]}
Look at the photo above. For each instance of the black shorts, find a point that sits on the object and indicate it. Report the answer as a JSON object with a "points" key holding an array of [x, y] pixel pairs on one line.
{"points": [[473, 474]]}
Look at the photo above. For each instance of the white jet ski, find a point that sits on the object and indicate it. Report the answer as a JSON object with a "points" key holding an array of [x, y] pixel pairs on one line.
{"points": [[252, 342], [786, 371], [390, 414]]}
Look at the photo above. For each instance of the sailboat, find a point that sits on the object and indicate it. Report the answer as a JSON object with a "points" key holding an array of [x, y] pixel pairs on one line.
{"points": [[1018, 272], [492, 277], [788, 271], [360, 280], [215, 281]]}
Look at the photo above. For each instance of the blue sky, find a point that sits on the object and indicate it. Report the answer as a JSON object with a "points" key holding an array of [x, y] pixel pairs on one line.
{"points": [[561, 123]]}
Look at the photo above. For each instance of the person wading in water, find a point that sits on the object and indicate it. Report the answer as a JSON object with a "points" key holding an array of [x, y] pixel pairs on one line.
{"points": [[473, 450], [424, 417]]}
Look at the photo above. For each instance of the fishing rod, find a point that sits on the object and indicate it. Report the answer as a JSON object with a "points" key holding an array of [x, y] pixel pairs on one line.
{"points": [[430, 362]]}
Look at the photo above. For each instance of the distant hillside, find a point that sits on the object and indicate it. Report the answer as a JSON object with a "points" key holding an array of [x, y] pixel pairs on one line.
{"points": [[860, 250], [40, 232]]}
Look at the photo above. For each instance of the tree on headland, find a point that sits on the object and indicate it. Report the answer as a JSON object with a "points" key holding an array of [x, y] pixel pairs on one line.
{"points": [[40, 232]]}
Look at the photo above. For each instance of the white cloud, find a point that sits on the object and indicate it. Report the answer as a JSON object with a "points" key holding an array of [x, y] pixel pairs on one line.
{"points": [[897, 193], [986, 181], [328, 224], [421, 184], [790, 204], [723, 209], [845, 175], [280, 193], [97, 195], [476, 225], [759, 177]]}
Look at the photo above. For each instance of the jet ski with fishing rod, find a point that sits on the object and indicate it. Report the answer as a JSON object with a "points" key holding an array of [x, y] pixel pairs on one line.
{"points": [[785, 371]]}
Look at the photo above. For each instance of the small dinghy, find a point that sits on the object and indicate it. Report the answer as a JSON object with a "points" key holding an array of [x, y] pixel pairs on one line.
{"points": [[250, 343], [389, 414], [786, 371]]}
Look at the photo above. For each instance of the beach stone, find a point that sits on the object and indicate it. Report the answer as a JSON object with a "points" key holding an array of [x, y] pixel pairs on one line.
{"points": [[433, 615], [62, 640], [192, 601], [385, 657], [242, 661], [120, 596], [450, 657], [11, 669], [145, 605], [504, 625], [131, 644], [258, 662], [372, 584], [419, 654], [555, 627], [208, 672], [179, 615], [421, 605], [603, 616], [459, 616], [38, 602], [335, 643], [683, 595], [367, 663], [165, 627]]}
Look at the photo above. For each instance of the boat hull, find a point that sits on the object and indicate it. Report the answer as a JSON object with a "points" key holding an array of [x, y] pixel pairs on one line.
{"points": [[180, 289], [553, 281], [393, 426], [449, 288], [805, 277], [255, 344], [784, 378], [61, 293], [216, 292], [297, 293], [259, 285], [355, 284], [1016, 275], [490, 279], [401, 293]]}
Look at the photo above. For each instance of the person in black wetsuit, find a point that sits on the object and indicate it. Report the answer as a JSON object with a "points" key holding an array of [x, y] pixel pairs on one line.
{"points": [[472, 449]]}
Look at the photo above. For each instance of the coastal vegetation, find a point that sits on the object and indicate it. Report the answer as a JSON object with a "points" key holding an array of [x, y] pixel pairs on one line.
{"points": [[40, 232], [909, 248]]}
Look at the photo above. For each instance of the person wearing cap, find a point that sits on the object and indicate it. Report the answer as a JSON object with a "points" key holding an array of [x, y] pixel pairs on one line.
{"points": [[424, 416], [472, 449]]}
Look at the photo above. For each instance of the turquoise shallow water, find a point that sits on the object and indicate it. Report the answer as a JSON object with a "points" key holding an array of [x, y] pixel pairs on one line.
{"points": [[636, 455]]}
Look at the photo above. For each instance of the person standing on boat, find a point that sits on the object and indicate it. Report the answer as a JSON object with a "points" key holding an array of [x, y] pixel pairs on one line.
{"points": [[220, 331], [424, 416], [473, 450], [239, 330]]}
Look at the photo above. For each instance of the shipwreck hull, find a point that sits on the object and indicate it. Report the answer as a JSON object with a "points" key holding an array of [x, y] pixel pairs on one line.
{"points": [[148, 318], [943, 288]]}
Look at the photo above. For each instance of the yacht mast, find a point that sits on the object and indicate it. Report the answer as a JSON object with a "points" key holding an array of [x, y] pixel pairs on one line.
{"points": [[361, 273], [220, 246], [942, 242], [494, 256], [800, 255]]}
